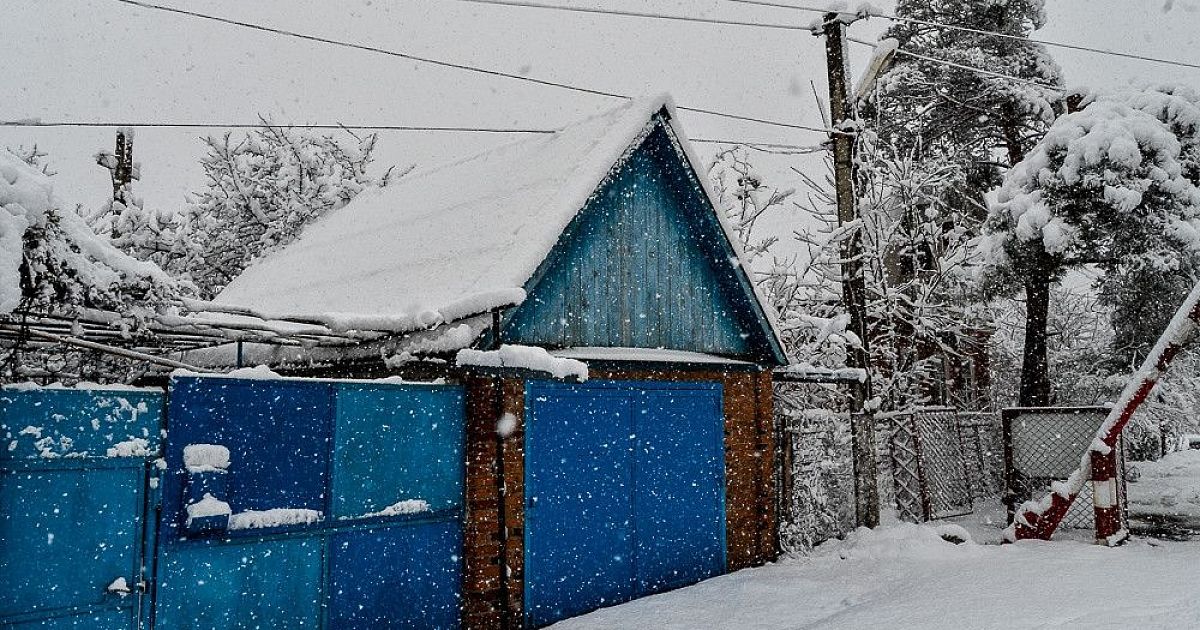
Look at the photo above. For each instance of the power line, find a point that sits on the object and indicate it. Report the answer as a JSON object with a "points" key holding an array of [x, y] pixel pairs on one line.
{"points": [[33, 123], [190, 125], [952, 64], [766, 147], [636, 14], [1044, 42], [452, 65]]}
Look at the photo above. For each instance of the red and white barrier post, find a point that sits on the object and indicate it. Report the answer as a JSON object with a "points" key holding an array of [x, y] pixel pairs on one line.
{"points": [[1105, 499]]}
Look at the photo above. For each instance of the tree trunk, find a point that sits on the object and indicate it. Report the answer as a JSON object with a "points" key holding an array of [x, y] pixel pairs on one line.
{"points": [[1035, 380]]}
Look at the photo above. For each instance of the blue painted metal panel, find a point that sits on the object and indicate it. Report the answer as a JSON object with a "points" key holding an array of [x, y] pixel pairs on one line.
{"points": [[356, 449], [415, 432], [277, 432], [269, 583], [680, 490], [49, 423], [397, 577], [578, 502], [72, 519], [624, 492], [96, 620], [67, 530], [645, 264]]}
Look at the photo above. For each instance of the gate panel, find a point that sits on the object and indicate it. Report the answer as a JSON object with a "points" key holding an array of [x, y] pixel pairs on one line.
{"points": [[417, 434], [277, 433], [578, 503], [382, 466], [625, 492], [258, 584], [680, 488], [73, 496], [397, 577]]}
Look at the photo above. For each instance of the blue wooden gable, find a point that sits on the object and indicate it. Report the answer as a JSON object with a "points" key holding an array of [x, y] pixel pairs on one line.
{"points": [[646, 264]]}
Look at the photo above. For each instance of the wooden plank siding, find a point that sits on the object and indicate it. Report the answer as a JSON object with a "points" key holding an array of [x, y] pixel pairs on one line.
{"points": [[643, 265]]}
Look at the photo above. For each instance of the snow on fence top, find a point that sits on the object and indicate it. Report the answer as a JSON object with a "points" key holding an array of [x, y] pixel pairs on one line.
{"points": [[451, 241]]}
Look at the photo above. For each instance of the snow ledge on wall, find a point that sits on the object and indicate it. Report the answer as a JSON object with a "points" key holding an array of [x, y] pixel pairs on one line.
{"points": [[524, 357]]}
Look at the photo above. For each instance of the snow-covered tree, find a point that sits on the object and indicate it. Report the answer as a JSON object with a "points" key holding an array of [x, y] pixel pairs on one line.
{"points": [[51, 263], [262, 189], [1112, 185], [914, 250], [145, 233], [981, 124], [745, 197], [977, 121]]}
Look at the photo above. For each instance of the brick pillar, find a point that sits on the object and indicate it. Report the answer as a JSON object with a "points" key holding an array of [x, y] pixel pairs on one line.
{"points": [[514, 501], [481, 541]]}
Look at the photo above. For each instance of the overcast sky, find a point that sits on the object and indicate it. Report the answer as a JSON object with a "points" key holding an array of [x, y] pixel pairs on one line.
{"points": [[104, 60]]}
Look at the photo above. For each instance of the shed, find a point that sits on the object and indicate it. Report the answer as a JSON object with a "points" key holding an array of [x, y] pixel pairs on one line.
{"points": [[599, 243]]}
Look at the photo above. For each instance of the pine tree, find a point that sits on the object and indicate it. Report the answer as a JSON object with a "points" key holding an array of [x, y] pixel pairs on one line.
{"points": [[1113, 185], [983, 124]]}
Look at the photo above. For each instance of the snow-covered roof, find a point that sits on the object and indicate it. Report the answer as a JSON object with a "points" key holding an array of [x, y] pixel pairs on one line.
{"points": [[451, 241]]}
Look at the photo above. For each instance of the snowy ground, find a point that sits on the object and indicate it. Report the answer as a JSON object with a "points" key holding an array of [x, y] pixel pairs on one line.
{"points": [[1166, 495], [906, 576]]}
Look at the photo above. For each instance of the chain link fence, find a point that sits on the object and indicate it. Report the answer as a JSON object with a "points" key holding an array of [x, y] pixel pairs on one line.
{"points": [[1045, 444], [933, 463], [982, 436], [820, 502], [929, 467]]}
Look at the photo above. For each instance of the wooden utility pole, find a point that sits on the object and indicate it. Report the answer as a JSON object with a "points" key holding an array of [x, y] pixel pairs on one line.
{"points": [[122, 167], [843, 115]]}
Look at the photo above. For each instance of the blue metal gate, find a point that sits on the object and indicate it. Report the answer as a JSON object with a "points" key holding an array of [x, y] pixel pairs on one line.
{"points": [[74, 492], [339, 505], [625, 492]]}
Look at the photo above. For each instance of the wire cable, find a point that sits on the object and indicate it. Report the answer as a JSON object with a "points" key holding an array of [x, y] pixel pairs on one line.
{"points": [[636, 14], [191, 125], [453, 65], [33, 123], [968, 29], [952, 64]]}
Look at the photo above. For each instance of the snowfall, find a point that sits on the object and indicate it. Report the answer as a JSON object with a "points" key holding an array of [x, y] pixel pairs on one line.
{"points": [[906, 576]]}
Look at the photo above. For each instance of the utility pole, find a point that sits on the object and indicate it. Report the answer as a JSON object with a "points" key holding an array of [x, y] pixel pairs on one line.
{"points": [[122, 170], [121, 166], [843, 115]]}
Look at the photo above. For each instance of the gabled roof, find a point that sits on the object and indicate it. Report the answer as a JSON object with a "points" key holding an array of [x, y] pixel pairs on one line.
{"points": [[458, 239]]}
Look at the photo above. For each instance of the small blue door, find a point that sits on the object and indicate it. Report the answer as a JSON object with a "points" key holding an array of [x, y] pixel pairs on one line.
{"points": [[624, 492], [74, 487]]}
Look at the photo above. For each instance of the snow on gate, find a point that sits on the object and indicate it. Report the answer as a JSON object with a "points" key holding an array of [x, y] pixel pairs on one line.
{"points": [[284, 503]]}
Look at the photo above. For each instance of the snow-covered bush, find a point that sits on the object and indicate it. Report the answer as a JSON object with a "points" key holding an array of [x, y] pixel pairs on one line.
{"points": [[51, 261]]}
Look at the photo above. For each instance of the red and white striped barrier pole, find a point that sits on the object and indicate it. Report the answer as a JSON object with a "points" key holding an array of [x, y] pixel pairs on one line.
{"points": [[1105, 500], [1039, 519]]}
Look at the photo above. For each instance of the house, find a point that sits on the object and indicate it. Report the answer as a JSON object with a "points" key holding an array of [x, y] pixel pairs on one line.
{"points": [[599, 244]]}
